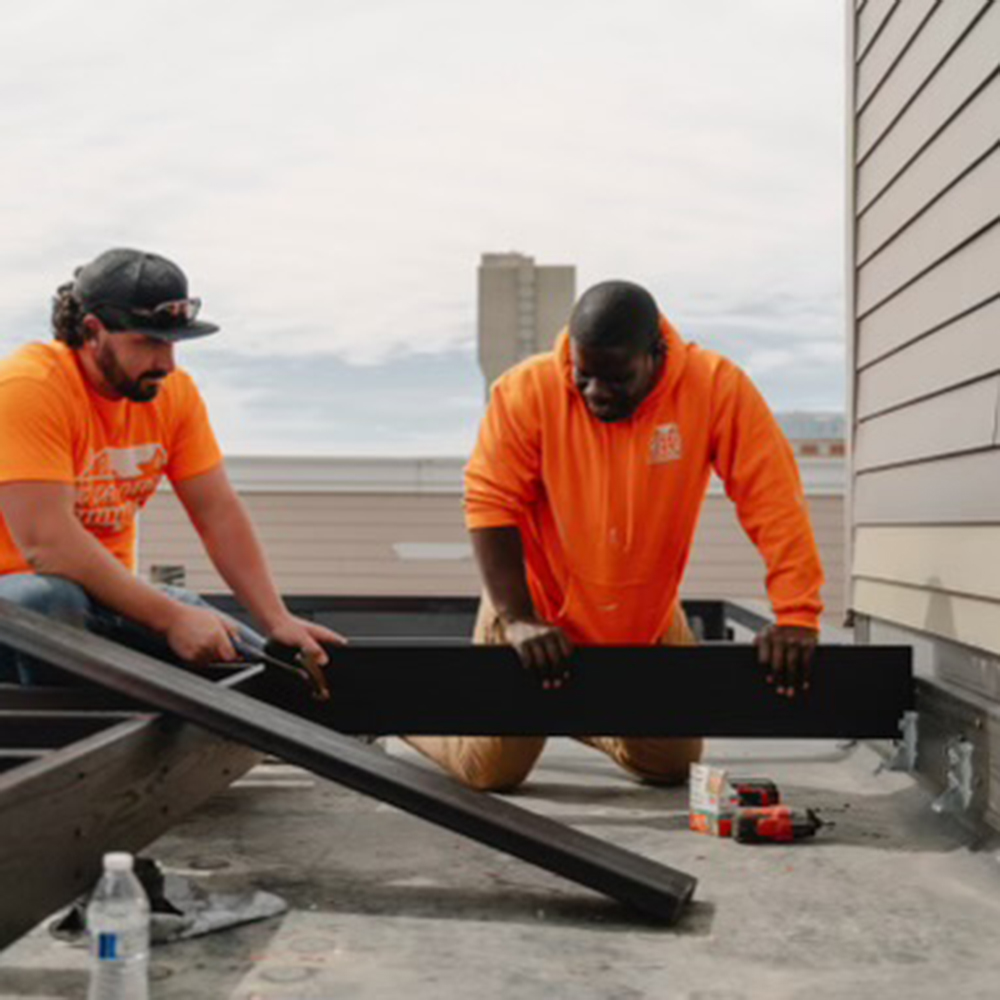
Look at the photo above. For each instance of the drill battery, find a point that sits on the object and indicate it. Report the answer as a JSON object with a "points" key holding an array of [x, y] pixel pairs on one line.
{"points": [[755, 791], [774, 824]]}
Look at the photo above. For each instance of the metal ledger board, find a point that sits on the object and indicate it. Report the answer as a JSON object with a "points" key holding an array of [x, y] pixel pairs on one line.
{"points": [[654, 889], [857, 692]]}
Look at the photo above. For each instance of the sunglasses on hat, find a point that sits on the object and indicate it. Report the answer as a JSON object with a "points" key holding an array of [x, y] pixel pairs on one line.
{"points": [[179, 313]]}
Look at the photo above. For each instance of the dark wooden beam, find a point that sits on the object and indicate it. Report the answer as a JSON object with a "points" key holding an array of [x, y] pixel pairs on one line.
{"points": [[654, 889]]}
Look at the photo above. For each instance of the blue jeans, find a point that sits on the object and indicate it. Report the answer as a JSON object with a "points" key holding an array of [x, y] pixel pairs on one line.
{"points": [[65, 601]]}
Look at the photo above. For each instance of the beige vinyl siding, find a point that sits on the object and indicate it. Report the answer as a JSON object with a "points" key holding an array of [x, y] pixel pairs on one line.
{"points": [[963, 142], [927, 52], [925, 481], [958, 353], [970, 621], [959, 284], [963, 419], [347, 544], [871, 20], [891, 45], [933, 100], [955, 558], [954, 218], [954, 490]]}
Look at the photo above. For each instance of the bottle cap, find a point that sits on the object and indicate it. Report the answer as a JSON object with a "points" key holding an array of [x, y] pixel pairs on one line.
{"points": [[118, 861]]}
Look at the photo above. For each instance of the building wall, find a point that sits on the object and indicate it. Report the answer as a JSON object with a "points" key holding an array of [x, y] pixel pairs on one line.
{"points": [[522, 306], [394, 528], [924, 271]]}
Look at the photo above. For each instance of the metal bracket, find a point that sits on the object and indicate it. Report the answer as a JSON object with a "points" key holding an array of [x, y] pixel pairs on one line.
{"points": [[957, 796], [904, 754]]}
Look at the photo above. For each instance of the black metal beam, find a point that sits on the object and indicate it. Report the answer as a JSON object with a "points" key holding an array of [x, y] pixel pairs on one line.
{"points": [[857, 692], [71, 698], [654, 889], [50, 729]]}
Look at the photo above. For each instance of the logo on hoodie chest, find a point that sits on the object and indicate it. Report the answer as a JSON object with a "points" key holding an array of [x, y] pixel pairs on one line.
{"points": [[666, 445]]}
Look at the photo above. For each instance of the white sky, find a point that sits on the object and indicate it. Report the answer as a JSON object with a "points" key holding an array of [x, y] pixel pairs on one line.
{"points": [[328, 174]]}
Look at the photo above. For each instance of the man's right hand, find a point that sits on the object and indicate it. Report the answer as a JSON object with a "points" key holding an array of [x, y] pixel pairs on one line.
{"points": [[200, 636], [543, 648]]}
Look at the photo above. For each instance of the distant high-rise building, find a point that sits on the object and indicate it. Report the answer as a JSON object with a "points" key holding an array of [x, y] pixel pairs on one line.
{"points": [[521, 309]]}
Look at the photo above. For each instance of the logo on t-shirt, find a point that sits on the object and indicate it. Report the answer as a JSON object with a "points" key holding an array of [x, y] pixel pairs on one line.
{"points": [[116, 483], [666, 445]]}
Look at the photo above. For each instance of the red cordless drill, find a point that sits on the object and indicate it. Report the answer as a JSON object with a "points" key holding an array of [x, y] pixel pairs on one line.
{"points": [[772, 824]]}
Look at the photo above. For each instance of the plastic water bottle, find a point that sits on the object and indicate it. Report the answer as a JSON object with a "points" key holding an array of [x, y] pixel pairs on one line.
{"points": [[118, 921]]}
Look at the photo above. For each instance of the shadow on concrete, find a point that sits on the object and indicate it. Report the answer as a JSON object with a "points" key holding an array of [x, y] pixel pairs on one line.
{"points": [[901, 821], [69, 984], [502, 902], [616, 795]]}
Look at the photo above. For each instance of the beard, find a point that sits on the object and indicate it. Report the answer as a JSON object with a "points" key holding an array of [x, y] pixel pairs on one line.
{"points": [[139, 390], [615, 413]]}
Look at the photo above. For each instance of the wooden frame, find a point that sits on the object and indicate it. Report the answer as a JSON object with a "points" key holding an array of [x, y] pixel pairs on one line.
{"points": [[656, 890], [80, 775]]}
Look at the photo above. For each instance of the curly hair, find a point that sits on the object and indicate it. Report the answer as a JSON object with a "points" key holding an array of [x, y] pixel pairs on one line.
{"points": [[67, 317]]}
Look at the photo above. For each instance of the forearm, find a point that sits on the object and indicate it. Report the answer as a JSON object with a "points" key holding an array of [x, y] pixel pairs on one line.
{"points": [[236, 552], [757, 464], [795, 574], [76, 555], [500, 556]]}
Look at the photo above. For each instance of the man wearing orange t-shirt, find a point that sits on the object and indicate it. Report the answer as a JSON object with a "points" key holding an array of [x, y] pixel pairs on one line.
{"points": [[582, 499], [90, 424]]}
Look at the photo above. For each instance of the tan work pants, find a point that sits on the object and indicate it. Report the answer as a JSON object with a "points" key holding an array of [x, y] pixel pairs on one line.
{"points": [[500, 763]]}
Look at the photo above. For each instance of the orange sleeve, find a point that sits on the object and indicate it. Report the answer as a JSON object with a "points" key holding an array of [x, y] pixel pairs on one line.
{"points": [[503, 474], [757, 466], [36, 431], [193, 448]]}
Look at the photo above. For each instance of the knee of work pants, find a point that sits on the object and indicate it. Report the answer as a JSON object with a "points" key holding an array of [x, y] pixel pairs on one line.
{"points": [[656, 760], [485, 763], [52, 596]]}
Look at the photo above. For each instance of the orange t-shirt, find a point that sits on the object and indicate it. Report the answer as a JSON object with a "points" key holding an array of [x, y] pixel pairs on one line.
{"points": [[55, 428], [608, 512]]}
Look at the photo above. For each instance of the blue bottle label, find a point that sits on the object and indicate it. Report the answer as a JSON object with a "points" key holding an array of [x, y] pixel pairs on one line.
{"points": [[107, 947]]}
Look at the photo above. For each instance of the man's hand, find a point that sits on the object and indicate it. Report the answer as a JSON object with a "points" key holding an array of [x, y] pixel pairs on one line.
{"points": [[306, 637], [543, 648], [787, 651], [200, 636]]}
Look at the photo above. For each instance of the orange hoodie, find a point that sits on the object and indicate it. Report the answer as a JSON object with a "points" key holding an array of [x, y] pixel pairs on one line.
{"points": [[608, 512]]}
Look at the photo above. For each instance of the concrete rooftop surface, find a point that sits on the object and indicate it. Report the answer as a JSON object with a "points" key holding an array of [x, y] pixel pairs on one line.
{"points": [[890, 902]]}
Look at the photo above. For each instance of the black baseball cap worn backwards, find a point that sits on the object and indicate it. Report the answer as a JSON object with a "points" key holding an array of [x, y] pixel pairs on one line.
{"points": [[137, 292]]}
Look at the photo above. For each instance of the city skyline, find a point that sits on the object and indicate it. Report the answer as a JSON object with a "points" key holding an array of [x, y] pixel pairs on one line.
{"points": [[329, 176]]}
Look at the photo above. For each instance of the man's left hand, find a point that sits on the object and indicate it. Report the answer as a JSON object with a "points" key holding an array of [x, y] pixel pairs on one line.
{"points": [[787, 652], [306, 637]]}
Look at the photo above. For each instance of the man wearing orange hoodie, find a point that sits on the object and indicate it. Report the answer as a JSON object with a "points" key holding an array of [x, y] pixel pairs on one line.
{"points": [[582, 499]]}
